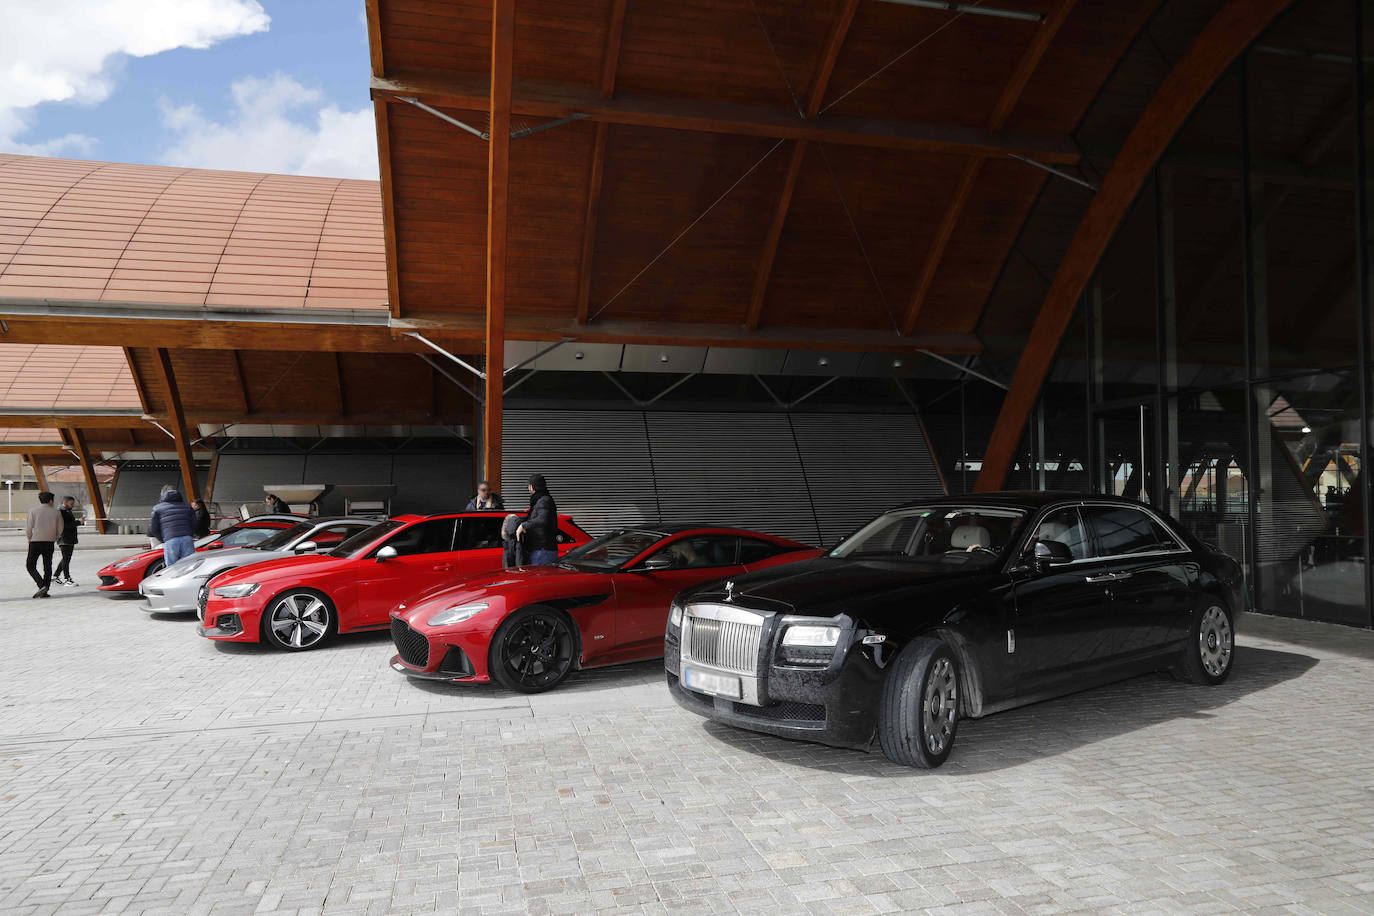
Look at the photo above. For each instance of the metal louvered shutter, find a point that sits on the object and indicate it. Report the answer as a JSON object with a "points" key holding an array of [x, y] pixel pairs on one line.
{"points": [[731, 469], [596, 463], [858, 465]]}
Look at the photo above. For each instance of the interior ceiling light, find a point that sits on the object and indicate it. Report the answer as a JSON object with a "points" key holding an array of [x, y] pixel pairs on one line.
{"points": [[663, 357], [896, 364], [1306, 429], [578, 355], [823, 361], [971, 8]]}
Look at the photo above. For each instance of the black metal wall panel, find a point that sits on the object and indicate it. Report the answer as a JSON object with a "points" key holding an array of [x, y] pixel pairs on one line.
{"points": [[429, 482], [731, 468], [596, 462], [240, 477], [858, 465], [136, 489]]}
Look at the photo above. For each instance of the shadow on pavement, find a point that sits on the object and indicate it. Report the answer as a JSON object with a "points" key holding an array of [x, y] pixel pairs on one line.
{"points": [[1051, 727], [335, 642], [613, 677]]}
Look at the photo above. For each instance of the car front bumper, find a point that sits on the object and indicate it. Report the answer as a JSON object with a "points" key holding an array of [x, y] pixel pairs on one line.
{"points": [[452, 657], [120, 581], [835, 705], [175, 597]]}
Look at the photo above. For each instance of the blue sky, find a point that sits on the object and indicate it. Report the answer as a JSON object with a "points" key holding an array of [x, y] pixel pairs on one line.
{"points": [[287, 95]]}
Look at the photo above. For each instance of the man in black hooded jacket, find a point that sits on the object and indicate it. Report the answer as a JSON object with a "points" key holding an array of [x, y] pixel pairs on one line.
{"points": [[539, 533]]}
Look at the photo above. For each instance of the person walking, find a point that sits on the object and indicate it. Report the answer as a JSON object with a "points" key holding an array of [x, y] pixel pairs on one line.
{"points": [[485, 499], [512, 554], [539, 532], [66, 542], [202, 517], [174, 524], [42, 529]]}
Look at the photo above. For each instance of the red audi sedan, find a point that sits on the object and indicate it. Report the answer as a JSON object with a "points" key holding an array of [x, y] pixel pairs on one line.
{"points": [[604, 603], [297, 603], [124, 576]]}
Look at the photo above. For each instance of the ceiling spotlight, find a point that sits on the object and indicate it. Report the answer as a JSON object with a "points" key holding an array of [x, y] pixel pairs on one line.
{"points": [[579, 355], [663, 357], [823, 361], [896, 364], [1306, 429]]}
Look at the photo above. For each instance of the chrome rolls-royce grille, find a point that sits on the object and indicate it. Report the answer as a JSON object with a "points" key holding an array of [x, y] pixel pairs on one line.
{"points": [[726, 644]]}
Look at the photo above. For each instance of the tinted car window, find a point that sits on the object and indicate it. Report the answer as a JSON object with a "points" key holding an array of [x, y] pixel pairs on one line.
{"points": [[752, 551], [479, 533], [701, 552], [612, 550], [357, 542], [246, 537], [1121, 530], [284, 536], [950, 535], [332, 536], [433, 536], [1066, 526]]}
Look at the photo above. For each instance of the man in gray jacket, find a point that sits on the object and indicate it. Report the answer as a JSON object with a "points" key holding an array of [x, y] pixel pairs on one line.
{"points": [[42, 529]]}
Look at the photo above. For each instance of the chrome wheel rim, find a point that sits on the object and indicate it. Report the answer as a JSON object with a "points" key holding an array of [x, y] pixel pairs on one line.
{"points": [[1214, 641], [538, 651], [940, 706], [300, 621]]}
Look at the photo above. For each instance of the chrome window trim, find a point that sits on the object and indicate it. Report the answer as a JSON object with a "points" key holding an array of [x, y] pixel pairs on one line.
{"points": [[1080, 504]]}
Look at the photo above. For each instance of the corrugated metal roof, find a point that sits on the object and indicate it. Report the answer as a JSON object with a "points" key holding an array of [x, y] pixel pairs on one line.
{"points": [[57, 376], [102, 231]]}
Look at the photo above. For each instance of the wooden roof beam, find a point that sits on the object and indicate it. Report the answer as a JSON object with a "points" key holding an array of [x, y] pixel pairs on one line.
{"points": [[77, 439], [176, 418], [1220, 42], [610, 64], [839, 30], [67, 418], [531, 99], [1006, 103]]}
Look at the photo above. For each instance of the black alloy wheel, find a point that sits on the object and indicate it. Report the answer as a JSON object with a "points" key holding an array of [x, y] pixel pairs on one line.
{"points": [[533, 650], [918, 716], [1210, 652]]}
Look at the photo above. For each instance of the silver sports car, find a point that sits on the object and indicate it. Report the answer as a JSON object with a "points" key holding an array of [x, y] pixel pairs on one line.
{"points": [[173, 590]]}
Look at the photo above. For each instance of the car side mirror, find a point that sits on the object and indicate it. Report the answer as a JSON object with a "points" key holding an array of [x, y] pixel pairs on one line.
{"points": [[1051, 553], [307, 547], [386, 553], [215, 545], [656, 563]]}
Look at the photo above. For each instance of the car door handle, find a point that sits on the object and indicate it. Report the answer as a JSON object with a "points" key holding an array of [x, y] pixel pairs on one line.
{"points": [[443, 566], [1122, 575], [1105, 577]]}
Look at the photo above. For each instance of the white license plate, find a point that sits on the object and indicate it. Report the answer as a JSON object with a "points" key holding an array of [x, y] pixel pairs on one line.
{"points": [[708, 682]]}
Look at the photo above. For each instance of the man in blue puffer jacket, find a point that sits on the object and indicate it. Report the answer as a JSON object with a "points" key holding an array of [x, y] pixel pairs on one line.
{"points": [[174, 524]]}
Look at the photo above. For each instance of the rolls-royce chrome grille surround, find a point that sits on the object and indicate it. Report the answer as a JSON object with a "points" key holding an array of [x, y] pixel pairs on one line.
{"points": [[723, 637]]}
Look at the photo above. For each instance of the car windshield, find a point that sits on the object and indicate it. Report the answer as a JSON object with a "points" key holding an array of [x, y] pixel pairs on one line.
{"points": [[611, 551], [952, 535], [284, 537], [355, 544]]}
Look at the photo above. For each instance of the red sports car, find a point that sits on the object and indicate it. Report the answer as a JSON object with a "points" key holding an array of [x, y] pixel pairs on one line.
{"points": [[297, 602], [604, 603], [125, 575]]}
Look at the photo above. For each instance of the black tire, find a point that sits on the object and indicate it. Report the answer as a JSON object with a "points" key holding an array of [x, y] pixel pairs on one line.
{"points": [[298, 620], [918, 716], [533, 650], [1210, 652], [153, 568]]}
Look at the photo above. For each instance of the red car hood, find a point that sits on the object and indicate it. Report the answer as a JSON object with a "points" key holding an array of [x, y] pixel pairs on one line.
{"points": [[293, 566], [531, 582], [145, 556]]}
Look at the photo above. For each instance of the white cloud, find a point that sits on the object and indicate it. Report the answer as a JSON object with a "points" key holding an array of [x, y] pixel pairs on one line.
{"points": [[69, 50], [275, 125]]}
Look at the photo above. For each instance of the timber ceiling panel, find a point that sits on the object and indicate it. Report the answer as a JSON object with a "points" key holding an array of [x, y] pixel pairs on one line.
{"points": [[436, 36], [57, 376], [559, 42], [10, 435], [138, 233]]}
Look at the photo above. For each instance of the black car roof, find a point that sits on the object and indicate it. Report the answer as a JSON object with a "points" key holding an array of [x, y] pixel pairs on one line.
{"points": [[1018, 499]]}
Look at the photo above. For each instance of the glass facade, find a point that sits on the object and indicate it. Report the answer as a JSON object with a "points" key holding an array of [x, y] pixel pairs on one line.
{"points": [[1219, 365]]}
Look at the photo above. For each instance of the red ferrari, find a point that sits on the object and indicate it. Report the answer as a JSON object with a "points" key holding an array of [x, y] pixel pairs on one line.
{"points": [[296, 603], [604, 603], [125, 575]]}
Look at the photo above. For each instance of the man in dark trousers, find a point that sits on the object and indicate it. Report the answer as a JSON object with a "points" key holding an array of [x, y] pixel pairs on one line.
{"points": [[173, 523], [539, 533], [66, 543], [42, 529]]}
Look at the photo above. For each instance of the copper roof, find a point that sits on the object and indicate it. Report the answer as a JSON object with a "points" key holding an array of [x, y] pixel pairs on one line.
{"points": [[73, 229], [56, 376]]}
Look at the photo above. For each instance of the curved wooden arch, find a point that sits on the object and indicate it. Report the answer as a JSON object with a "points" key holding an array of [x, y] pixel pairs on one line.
{"points": [[1231, 31]]}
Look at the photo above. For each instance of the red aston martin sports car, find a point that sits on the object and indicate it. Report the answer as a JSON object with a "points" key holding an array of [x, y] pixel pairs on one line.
{"points": [[604, 603], [125, 575], [297, 603]]}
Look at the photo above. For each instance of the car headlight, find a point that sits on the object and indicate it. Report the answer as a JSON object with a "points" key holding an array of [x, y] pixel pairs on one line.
{"points": [[675, 615], [820, 637], [242, 590], [183, 569], [457, 614], [125, 564]]}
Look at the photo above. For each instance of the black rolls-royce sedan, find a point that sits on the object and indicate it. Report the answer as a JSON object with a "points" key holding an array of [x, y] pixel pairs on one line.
{"points": [[954, 608]]}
